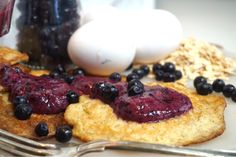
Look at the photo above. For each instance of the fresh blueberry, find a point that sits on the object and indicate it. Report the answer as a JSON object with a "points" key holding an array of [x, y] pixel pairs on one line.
{"points": [[135, 90], [116, 77], [63, 133], [199, 79], [72, 97], [41, 129], [132, 76], [54, 74], [139, 72], [169, 67], [23, 111], [178, 74], [218, 85], [106, 91], [159, 75], [203, 88], [145, 69], [135, 83], [69, 79], [233, 96], [156, 67], [228, 90], [60, 69], [20, 100], [169, 77], [78, 72]]}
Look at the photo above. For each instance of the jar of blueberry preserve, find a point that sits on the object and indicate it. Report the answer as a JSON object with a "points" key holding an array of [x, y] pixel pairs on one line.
{"points": [[6, 8], [45, 27]]}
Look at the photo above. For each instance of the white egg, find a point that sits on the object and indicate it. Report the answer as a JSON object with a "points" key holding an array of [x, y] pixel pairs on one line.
{"points": [[99, 12], [158, 32], [102, 47]]}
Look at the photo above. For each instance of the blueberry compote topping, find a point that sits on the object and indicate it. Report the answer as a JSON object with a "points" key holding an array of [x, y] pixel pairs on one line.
{"points": [[150, 104], [155, 104], [130, 100], [44, 94]]}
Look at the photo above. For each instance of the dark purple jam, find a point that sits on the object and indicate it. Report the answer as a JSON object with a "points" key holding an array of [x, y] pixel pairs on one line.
{"points": [[155, 104], [84, 84], [45, 95], [49, 96]]}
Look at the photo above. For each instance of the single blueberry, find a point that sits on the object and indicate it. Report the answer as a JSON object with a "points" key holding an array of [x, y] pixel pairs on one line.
{"points": [[156, 67], [199, 79], [63, 133], [23, 111], [169, 67], [135, 82], [20, 100], [159, 75], [116, 77], [228, 90], [41, 129], [132, 76], [135, 90], [218, 85], [169, 77], [139, 72], [72, 97]]}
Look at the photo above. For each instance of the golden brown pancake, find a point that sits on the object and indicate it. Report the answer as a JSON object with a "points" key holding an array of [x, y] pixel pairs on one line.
{"points": [[25, 127], [92, 120], [10, 56]]}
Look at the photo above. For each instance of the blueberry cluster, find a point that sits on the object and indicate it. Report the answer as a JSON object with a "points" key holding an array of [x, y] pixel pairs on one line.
{"points": [[23, 110], [166, 72], [63, 133], [45, 27], [138, 73], [105, 91], [60, 73], [218, 85]]}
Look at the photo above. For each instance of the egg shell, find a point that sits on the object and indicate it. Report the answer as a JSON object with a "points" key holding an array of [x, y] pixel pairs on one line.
{"points": [[102, 47], [158, 32]]}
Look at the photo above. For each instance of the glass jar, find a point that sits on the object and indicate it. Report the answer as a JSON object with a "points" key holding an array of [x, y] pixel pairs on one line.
{"points": [[45, 27], [6, 7]]}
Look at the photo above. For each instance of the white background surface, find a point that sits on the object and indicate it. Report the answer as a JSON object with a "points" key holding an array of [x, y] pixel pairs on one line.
{"points": [[211, 20]]}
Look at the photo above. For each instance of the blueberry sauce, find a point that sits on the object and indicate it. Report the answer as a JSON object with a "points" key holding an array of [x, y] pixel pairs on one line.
{"points": [[49, 96], [45, 95], [154, 104]]}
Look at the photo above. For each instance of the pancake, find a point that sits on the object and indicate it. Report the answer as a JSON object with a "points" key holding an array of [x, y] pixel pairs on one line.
{"points": [[92, 120], [26, 128], [11, 57]]}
